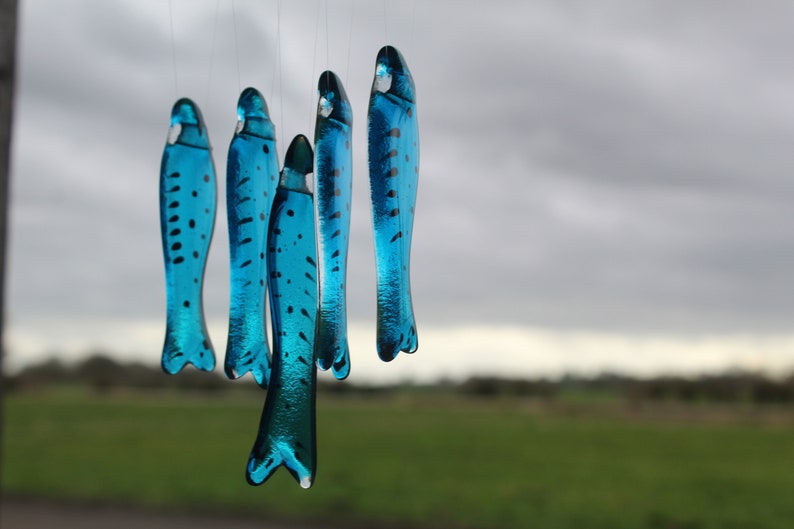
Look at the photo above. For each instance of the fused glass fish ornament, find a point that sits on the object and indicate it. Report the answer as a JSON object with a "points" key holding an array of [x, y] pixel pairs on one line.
{"points": [[188, 199], [251, 179], [333, 177], [287, 428], [393, 144]]}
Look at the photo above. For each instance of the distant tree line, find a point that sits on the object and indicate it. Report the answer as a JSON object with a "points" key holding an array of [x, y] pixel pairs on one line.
{"points": [[102, 373], [731, 387]]}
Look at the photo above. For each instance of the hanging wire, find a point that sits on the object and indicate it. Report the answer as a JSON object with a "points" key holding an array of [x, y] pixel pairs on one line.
{"points": [[280, 71], [413, 27], [236, 47], [312, 107], [385, 23], [173, 48], [212, 52], [349, 42]]}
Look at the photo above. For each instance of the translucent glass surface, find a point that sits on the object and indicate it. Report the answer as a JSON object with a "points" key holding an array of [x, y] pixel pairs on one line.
{"points": [[393, 142], [334, 168], [251, 180], [287, 428], [188, 198]]}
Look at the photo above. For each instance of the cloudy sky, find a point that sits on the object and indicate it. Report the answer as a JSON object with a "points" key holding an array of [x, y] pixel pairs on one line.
{"points": [[602, 185]]}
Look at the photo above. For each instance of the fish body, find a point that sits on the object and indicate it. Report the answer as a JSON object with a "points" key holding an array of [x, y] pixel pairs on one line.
{"points": [[188, 200], [287, 429], [333, 176], [251, 180], [393, 143]]}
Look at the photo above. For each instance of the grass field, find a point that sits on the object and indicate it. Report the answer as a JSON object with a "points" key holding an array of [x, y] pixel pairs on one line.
{"points": [[416, 460]]}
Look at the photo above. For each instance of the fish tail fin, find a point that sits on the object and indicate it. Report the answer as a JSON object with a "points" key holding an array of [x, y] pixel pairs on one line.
{"points": [[396, 332], [268, 454], [332, 348], [253, 357], [187, 345]]}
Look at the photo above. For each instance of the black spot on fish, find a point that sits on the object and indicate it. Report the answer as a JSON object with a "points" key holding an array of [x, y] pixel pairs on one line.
{"points": [[347, 144], [303, 361], [336, 172], [337, 233], [337, 192], [173, 218], [304, 383], [290, 309], [392, 193], [244, 199], [305, 313], [262, 215], [336, 215], [261, 255], [277, 231], [308, 276], [246, 240], [410, 112], [194, 193], [311, 261], [394, 212], [174, 175], [206, 178], [246, 220], [392, 153], [290, 213], [246, 263], [392, 172], [261, 282], [398, 235], [243, 181], [300, 236], [192, 223], [178, 260], [335, 269], [174, 189], [265, 149], [395, 132], [196, 255], [287, 406], [174, 232], [407, 157], [173, 204], [335, 254], [186, 303], [176, 246]]}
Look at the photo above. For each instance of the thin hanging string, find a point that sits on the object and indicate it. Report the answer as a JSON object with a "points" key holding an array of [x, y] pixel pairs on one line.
{"points": [[413, 27], [236, 47], [385, 23], [312, 107], [173, 48], [212, 52], [280, 70], [327, 40], [274, 57], [349, 42]]}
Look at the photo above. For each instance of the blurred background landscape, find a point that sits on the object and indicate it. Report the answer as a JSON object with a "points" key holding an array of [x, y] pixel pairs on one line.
{"points": [[601, 265]]}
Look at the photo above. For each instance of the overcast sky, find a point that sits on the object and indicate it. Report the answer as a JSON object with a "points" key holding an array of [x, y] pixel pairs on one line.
{"points": [[602, 185]]}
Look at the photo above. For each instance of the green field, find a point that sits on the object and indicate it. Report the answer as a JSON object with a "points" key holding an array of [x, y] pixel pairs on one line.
{"points": [[416, 460]]}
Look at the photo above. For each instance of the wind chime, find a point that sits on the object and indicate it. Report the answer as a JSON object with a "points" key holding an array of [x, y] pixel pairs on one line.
{"points": [[283, 248]]}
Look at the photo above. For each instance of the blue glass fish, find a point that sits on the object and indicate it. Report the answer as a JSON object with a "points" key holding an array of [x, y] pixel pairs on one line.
{"points": [[251, 182], [393, 174], [334, 165], [287, 428], [188, 198]]}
